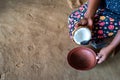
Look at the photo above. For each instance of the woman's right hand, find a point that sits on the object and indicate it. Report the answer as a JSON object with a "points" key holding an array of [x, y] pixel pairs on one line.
{"points": [[85, 22]]}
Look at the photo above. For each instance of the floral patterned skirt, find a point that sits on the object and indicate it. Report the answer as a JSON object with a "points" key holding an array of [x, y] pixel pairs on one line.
{"points": [[104, 25]]}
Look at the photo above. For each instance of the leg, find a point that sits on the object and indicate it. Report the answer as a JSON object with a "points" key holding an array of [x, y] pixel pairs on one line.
{"points": [[75, 17], [104, 26], [107, 27]]}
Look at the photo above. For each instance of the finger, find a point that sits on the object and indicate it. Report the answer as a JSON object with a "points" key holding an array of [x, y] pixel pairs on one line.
{"points": [[101, 60], [98, 56], [76, 25], [90, 24], [79, 23], [84, 22]]}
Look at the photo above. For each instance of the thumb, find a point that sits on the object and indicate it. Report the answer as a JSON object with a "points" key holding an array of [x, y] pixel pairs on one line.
{"points": [[100, 58], [90, 23]]}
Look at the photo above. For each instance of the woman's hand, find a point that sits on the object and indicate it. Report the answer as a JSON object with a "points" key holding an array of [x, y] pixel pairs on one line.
{"points": [[104, 53], [85, 22], [88, 18]]}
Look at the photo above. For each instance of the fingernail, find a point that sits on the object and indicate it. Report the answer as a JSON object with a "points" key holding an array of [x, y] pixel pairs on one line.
{"points": [[97, 57], [99, 62]]}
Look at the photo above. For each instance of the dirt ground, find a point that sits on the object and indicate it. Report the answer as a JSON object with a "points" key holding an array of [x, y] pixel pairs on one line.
{"points": [[34, 43]]}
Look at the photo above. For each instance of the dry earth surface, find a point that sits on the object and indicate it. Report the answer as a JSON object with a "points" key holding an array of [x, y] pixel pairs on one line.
{"points": [[34, 43]]}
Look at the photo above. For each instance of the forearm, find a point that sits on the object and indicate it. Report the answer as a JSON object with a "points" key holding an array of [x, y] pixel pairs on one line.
{"points": [[92, 7], [116, 41]]}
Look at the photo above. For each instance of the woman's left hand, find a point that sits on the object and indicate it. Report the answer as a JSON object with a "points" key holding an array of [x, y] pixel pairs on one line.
{"points": [[103, 54]]}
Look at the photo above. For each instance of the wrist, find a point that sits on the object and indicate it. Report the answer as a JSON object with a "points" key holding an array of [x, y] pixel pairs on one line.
{"points": [[89, 15], [111, 47]]}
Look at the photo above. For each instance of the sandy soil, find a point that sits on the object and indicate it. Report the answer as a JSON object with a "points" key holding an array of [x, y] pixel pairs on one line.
{"points": [[34, 43]]}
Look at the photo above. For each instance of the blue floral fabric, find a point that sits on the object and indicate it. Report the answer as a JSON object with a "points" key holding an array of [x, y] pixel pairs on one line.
{"points": [[112, 8], [113, 5], [106, 21]]}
